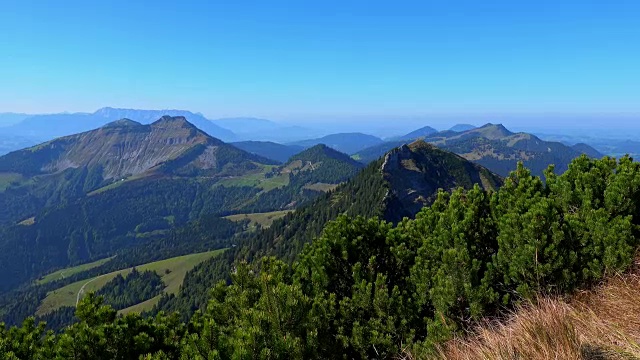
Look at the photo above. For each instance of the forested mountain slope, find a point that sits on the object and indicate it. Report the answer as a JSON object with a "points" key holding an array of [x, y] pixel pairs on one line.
{"points": [[307, 175], [390, 188]]}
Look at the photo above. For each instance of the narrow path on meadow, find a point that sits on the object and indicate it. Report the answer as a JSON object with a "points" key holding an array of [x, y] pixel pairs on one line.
{"points": [[83, 286]]}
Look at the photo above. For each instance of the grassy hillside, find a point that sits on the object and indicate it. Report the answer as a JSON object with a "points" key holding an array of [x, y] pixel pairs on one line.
{"points": [[303, 178], [64, 273], [598, 324], [263, 219], [257, 180], [171, 270], [7, 178], [321, 187]]}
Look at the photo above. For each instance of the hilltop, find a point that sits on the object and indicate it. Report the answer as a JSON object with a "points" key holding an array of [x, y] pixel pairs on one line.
{"points": [[306, 175], [415, 172], [418, 134]]}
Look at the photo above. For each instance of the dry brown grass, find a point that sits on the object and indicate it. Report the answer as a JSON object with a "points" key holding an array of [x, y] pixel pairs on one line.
{"points": [[600, 324]]}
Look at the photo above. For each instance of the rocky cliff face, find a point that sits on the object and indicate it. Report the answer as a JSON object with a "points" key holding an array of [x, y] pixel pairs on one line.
{"points": [[416, 171], [127, 148]]}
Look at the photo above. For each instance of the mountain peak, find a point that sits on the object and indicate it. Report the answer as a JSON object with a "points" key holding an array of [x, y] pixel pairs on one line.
{"points": [[587, 150], [347, 143], [122, 123], [317, 152], [321, 153], [493, 126], [492, 131], [167, 121], [123, 148], [104, 111], [416, 171], [421, 144], [419, 133], [462, 127]]}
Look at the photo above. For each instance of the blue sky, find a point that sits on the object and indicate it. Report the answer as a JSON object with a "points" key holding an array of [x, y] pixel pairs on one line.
{"points": [[325, 60]]}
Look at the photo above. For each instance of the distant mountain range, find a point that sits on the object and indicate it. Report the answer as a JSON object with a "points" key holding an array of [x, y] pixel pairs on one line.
{"points": [[610, 146], [18, 131], [417, 134], [253, 129], [10, 143], [348, 143], [462, 127], [494, 147], [51, 126], [34, 129], [270, 150], [7, 119]]}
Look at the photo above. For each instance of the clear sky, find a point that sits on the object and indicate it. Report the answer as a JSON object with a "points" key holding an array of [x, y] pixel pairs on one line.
{"points": [[322, 59]]}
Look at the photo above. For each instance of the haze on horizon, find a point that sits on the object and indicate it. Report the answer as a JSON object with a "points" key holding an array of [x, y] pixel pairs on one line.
{"points": [[458, 61]]}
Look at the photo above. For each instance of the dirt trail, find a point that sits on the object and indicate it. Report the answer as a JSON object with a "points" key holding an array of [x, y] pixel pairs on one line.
{"points": [[83, 286]]}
